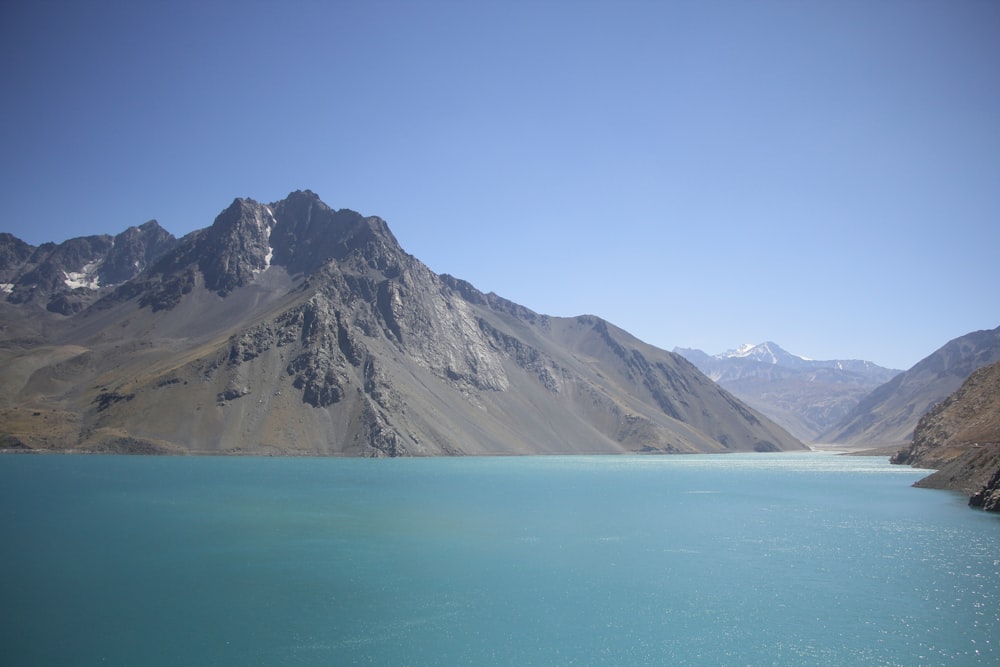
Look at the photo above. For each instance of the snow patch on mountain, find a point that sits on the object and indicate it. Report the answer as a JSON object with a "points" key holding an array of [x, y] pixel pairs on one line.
{"points": [[86, 277], [767, 352], [267, 227], [742, 351]]}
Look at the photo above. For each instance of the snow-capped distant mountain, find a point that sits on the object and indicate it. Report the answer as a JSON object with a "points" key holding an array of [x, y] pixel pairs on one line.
{"points": [[806, 396], [767, 352]]}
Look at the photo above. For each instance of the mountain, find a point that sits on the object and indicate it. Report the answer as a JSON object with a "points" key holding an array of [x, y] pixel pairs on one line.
{"points": [[67, 277], [889, 414], [960, 437], [805, 396], [294, 328]]}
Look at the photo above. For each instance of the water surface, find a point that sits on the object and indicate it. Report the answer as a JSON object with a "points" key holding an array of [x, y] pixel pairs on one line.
{"points": [[757, 559]]}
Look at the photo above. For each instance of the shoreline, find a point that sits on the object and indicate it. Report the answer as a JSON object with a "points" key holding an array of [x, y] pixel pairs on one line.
{"points": [[856, 450]]}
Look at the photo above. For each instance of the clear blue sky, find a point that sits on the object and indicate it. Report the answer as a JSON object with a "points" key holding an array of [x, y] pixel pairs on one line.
{"points": [[825, 175]]}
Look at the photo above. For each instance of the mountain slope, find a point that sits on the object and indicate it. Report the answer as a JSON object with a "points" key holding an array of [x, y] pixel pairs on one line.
{"points": [[805, 396], [293, 328], [960, 436], [890, 413]]}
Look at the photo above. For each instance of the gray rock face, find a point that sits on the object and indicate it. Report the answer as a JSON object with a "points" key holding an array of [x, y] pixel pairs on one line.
{"points": [[133, 250], [292, 328], [988, 498], [67, 277], [238, 246], [14, 253]]}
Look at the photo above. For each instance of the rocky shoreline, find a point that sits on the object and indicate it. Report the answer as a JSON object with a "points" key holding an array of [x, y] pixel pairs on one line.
{"points": [[960, 439], [974, 472]]}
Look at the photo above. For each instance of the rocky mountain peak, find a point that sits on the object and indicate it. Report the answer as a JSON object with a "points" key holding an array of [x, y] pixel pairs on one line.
{"points": [[300, 234], [292, 327], [67, 277], [310, 234], [13, 254], [133, 250], [237, 246]]}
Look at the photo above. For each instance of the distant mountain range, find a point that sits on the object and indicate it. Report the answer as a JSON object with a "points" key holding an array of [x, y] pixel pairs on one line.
{"points": [[293, 328], [942, 414], [805, 396]]}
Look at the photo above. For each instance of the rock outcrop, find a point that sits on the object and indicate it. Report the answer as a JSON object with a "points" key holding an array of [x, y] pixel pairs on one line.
{"points": [[960, 437], [988, 497]]}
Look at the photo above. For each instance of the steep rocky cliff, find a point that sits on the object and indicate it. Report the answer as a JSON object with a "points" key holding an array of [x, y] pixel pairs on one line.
{"points": [[294, 328], [961, 438], [988, 497]]}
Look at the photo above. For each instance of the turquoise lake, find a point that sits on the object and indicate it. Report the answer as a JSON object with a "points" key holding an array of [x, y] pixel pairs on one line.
{"points": [[756, 559]]}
